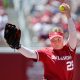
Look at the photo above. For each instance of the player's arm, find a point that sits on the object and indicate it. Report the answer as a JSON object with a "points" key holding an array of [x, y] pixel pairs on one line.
{"points": [[27, 52], [12, 36], [72, 40]]}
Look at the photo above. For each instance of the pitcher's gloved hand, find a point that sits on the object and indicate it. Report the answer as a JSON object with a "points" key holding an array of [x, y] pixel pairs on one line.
{"points": [[12, 36]]}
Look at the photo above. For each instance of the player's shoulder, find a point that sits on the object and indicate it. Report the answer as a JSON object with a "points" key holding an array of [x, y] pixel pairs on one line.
{"points": [[48, 49], [45, 50]]}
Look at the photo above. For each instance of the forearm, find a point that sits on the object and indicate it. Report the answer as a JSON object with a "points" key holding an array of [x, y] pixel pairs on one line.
{"points": [[71, 26], [27, 52], [72, 33]]}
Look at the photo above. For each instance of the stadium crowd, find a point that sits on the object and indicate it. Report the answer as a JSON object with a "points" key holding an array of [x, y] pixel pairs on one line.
{"points": [[45, 16]]}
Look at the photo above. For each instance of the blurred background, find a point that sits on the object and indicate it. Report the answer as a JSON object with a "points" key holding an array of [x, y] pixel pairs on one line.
{"points": [[35, 18]]}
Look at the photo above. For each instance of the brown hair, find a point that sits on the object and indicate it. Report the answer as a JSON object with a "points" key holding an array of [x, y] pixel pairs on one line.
{"points": [[56, 29]]}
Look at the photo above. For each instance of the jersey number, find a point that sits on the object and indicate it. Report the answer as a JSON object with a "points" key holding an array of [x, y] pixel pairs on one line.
{"points": [[70, 65]]}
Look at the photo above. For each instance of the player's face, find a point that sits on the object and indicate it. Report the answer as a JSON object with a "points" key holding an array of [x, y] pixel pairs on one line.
{"points": [[57, 42]]}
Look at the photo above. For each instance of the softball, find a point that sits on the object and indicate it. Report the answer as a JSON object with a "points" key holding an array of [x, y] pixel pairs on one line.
{"points": [[61, 8]]}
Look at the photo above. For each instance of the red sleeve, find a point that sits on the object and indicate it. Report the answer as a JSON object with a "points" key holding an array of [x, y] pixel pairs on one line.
{"points": [[41, 55]]}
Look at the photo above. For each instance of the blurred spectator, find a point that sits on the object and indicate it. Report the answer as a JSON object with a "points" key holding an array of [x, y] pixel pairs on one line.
{"points": [[78, 10], [3, 20], [42, 28], [77, 23], [1, 3], [35, 72]]}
